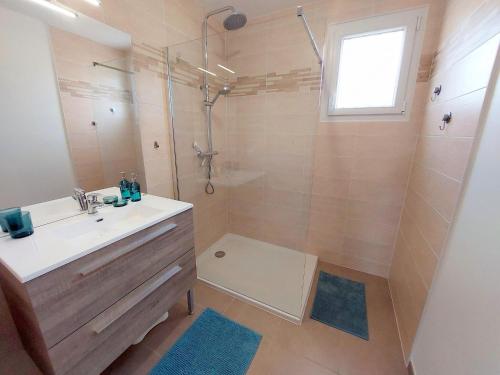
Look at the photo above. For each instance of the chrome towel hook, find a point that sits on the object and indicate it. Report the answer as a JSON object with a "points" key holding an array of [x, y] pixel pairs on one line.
{"points": [[446, 120], [435, 93]]}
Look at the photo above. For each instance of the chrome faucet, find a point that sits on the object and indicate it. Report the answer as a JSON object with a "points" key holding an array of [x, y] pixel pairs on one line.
{"points": [[202, 155], [93, 203], [81, 198]]}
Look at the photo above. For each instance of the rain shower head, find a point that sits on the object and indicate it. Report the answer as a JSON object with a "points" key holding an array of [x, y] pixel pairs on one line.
{"points": [[235, 21]]}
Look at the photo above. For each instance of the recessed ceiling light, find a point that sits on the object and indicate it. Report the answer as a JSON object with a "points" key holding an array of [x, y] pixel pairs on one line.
{"points": [[227, 69], [96, 3], [207, 71], [55, 7]]}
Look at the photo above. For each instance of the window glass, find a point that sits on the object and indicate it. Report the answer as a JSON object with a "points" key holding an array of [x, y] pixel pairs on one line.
{"points": [[369, 69]]}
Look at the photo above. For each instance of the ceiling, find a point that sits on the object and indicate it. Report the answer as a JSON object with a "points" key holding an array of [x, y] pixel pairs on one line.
{"points": [[254, 8], [82, 25]]}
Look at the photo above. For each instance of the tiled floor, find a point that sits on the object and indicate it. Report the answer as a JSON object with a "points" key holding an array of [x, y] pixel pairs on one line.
{"points": [[310, 349]]}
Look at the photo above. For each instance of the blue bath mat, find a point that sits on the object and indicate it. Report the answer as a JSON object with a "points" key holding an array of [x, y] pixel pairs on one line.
{"points": [[213, 345], [340, 303]]}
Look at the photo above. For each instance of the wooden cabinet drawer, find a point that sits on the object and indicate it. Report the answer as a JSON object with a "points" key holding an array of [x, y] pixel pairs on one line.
{"points": [[94, 346], [67, 298]]}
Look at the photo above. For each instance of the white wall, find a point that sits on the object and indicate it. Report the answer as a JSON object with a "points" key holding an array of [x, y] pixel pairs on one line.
{"points": [[460, 331], [35, 165]]}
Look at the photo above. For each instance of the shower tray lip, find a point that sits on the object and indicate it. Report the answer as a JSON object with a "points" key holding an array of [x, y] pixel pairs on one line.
{"points": [[264, 306]]}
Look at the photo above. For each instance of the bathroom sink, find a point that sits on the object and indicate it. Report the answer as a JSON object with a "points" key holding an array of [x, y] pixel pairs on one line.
{"points": [[59, 242], [107, 220]]}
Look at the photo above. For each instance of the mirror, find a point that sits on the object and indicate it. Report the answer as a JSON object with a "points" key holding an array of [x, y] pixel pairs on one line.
{"points": [[96, 91], [68, 114]]}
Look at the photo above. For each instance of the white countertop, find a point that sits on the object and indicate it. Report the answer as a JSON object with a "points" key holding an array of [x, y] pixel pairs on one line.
{"points": [[57, 243]]}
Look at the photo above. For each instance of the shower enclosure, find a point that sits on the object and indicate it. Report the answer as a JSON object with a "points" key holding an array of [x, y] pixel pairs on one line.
{"points": [[255, 157]]}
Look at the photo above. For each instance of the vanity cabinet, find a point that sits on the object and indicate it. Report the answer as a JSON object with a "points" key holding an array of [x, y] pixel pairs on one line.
{"points": [[81, 316]]}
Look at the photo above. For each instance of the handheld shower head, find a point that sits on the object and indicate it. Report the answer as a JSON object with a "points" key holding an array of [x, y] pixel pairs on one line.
{"points": [[225, 90]]}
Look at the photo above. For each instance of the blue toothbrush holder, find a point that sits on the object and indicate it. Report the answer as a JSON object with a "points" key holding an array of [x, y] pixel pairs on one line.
{"points": [[18, 223], [4, 213]]}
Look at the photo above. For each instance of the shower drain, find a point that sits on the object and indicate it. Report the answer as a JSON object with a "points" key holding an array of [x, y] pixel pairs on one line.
{"points": [[220, 254]]}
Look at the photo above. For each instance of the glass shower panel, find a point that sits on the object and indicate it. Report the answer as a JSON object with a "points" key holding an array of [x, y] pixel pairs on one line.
{"points": [[114, 118], [189, 128], [251, 234]]}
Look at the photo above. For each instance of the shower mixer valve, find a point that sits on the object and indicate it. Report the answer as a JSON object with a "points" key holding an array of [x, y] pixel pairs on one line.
{"points": [[202, 155]]}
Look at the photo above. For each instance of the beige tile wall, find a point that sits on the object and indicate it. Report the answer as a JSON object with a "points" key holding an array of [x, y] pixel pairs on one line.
{"points": [[331, 189], [442, 157]]}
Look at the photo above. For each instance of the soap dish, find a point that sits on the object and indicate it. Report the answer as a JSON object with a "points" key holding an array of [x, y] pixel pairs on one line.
{"points": [[120, 203], [110, 199]]}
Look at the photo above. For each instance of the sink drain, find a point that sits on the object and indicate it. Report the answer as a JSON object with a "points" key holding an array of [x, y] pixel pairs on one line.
{"points": [[220, 254]]}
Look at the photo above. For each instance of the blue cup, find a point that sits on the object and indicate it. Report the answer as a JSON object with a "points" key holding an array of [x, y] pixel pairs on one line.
{"points": [[3, 215], [18, 223], [27, 227]]}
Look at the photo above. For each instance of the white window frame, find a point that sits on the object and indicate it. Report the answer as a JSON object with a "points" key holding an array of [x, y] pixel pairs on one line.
{"points": [[412, 21]]}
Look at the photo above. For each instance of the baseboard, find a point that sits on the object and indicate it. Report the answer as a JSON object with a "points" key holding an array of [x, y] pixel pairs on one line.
{"points": [[397, 322]]}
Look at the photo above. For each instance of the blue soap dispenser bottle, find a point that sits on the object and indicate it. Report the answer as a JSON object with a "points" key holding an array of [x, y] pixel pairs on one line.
{"points": [[124, 187], [135, 189]]}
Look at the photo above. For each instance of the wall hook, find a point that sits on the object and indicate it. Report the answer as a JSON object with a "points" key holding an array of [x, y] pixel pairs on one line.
{"points": [[446, 120], [435, 93]]}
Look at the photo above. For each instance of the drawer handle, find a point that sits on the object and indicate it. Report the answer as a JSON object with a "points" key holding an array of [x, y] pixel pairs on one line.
{"points": [[120, 308], [105, 260]]}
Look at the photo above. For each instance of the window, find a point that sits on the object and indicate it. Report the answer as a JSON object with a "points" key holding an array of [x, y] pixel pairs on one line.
{"points": [[372, 65]]}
